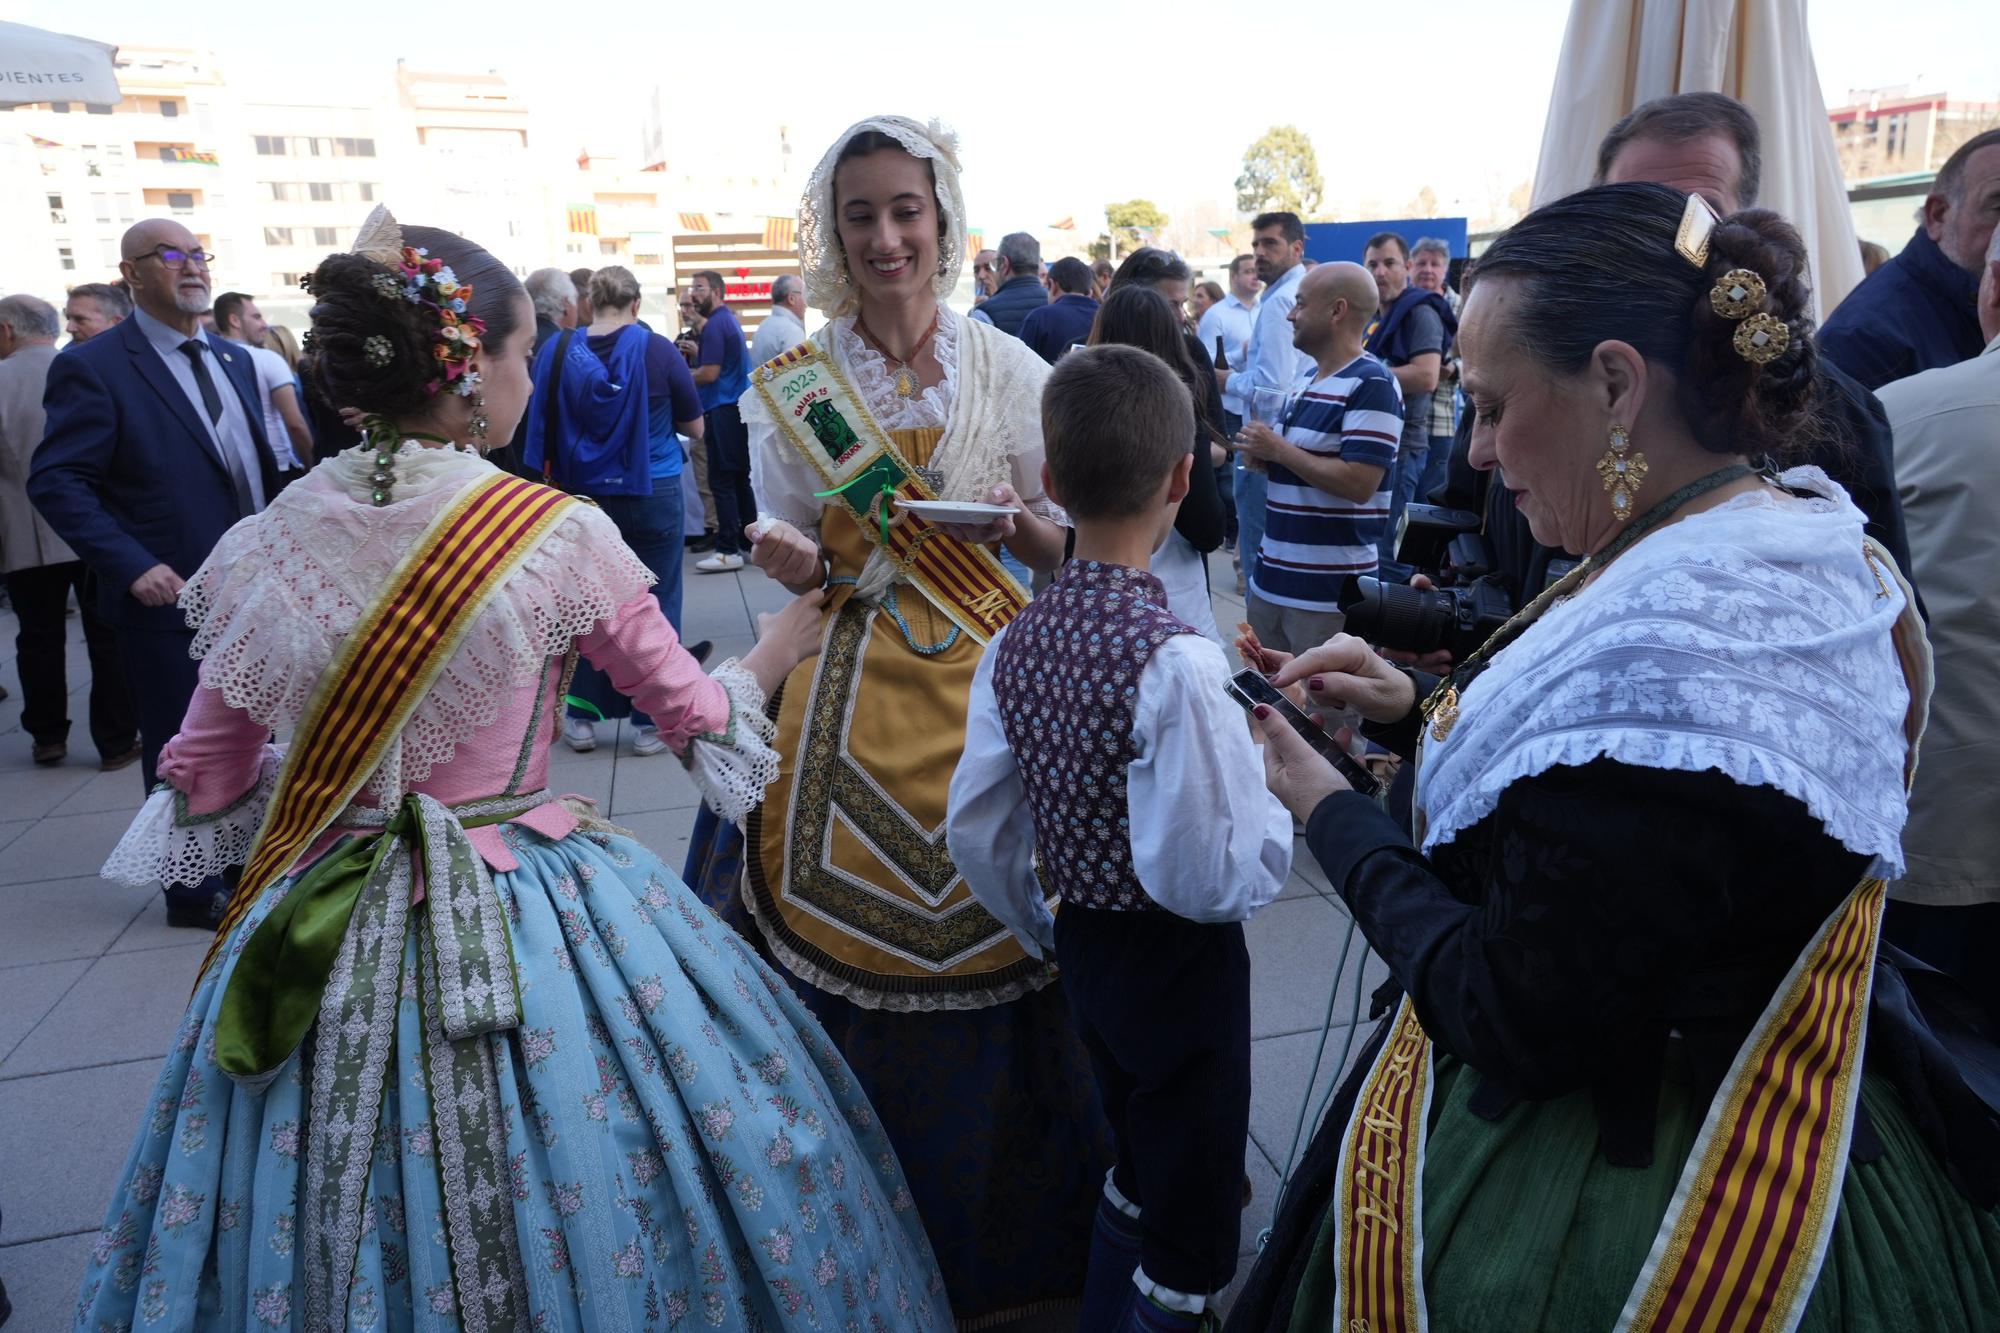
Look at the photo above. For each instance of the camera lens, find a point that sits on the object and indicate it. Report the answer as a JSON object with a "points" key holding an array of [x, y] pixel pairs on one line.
{"points": [[1395, 615]]}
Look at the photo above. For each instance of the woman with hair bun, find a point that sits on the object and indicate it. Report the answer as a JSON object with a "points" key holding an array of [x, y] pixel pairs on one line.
{"points": [[1645, 1063], [464, 1054]]}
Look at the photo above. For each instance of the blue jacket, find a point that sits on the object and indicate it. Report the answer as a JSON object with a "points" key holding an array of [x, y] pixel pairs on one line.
{"points": [[1006, 308], [1916, 312], [599, 416], [126, 472], [1390, 337], [1050, 329]]}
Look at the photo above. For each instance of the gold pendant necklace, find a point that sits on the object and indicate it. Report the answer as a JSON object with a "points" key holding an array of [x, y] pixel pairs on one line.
{"points": [[902, 375]]}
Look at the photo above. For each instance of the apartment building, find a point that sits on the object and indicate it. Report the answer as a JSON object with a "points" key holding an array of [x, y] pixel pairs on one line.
{"points": [[1892, 132]]}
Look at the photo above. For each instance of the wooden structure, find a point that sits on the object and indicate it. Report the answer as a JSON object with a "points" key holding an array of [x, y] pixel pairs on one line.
{"points": [[747, 265]]}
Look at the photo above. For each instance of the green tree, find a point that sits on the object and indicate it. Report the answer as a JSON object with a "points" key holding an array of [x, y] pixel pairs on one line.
{"points": [[1280, 173], [1127, 218]]}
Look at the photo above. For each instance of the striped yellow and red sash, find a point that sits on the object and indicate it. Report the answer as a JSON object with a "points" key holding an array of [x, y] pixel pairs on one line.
{"points": [[825, 420], [387, 664], [1742, 1241]]}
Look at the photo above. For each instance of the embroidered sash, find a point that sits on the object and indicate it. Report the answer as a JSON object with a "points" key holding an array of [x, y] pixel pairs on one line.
{"points": [[366, 695], [826, 422], [1743, 1238]]}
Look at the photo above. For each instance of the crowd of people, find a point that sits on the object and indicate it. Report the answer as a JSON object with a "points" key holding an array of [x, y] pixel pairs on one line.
{"points": [[945, 1019]]}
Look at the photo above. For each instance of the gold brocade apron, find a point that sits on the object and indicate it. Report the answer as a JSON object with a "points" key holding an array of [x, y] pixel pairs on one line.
{"points": [[846, 868]]}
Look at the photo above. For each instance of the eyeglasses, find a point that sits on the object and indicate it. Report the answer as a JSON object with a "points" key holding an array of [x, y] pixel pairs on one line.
{"points": [[171, 257]]}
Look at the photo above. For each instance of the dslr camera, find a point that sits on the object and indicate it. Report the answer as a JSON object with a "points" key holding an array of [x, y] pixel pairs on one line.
{"points": [[1469, 603]]}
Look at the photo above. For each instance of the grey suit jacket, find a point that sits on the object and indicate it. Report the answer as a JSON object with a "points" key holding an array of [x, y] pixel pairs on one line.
{"points": [[26, 539]]}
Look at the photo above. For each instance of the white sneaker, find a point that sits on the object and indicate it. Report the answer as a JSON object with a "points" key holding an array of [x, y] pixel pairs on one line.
{"points": [[719, 563], [646, 740], [579, 734]]}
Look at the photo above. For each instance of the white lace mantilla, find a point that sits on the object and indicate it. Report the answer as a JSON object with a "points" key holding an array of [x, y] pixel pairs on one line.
{"points": [[1752, 640], [167, 845], [281, 590]]}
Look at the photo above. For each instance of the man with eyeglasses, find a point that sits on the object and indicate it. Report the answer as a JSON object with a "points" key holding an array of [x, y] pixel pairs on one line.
{"points": [[985, 280], [154, 447]]}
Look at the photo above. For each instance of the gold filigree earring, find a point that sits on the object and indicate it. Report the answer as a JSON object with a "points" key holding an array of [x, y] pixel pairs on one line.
{"points": [[1623, 472]]}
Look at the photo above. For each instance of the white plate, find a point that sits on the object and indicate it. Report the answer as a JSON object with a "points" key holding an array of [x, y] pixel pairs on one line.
{"points": [[969, 512]]}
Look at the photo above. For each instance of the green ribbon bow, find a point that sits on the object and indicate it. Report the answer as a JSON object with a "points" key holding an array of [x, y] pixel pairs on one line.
{"points": [[276, 989], [888, 493]]}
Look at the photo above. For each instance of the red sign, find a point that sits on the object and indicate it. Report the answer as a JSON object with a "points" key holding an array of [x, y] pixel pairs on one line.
{"points": [[747, 291]]}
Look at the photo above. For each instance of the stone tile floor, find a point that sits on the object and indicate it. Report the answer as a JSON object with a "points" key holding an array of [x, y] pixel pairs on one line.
{"points": [[93, 982]]}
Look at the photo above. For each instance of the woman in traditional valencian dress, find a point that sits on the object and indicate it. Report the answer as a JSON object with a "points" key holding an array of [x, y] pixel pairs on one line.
{"points": [[466, 1056], [962, 1042], [1650, 1067]]}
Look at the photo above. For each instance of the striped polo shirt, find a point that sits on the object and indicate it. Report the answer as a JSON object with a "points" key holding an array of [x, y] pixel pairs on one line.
{"points": [[1315, 543]]}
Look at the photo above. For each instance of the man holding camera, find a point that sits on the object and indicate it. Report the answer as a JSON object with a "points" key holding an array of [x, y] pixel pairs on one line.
{"points": [[1328, 501]]}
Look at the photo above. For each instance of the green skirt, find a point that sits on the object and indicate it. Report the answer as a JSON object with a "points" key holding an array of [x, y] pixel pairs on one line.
{"points": [[1526, 1226]]}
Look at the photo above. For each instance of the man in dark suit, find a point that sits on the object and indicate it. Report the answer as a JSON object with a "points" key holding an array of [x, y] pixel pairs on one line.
{"points": [[154, 447]]}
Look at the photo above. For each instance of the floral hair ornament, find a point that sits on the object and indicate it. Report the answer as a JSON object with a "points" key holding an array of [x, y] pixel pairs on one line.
{"points": [[379, 351], [413, 276]]}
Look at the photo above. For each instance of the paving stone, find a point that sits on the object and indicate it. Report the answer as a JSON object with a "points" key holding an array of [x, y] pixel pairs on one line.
{"points": [[121, 790], [1278, 1070], [652, 782], [66, 918], [42, 1278], [1294, 947], [29, 792], [126, 1007], [63, 846], [27, 994], [57, 1180]]}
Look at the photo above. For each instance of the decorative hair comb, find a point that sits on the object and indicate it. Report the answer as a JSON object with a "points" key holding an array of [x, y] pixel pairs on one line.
{"points": [[1697, 222]]}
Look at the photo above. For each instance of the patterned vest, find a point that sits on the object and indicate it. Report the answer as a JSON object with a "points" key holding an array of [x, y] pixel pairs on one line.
{"points": [[1066, 679]]}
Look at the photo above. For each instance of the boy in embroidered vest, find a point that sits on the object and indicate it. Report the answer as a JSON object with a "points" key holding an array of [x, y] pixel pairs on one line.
{"points": [[1101, 746]]}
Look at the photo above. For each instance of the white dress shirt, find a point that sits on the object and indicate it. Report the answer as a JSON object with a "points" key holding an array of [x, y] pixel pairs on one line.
{"points": [[1231, 319], [1271, 359], [1209, 841], [273, 373], [233, 431]]}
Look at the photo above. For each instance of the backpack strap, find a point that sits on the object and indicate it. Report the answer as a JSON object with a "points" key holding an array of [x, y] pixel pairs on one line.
{"points": [[555, 403]]}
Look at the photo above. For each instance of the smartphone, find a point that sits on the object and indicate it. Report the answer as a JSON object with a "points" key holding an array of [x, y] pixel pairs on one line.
{"points": [[1250, 689]]}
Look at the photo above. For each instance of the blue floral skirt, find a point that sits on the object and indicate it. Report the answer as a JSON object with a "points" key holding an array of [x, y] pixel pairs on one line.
{"points": [[680, 1145]]}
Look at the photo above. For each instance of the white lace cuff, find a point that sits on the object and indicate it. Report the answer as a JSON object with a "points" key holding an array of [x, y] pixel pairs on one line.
{"points": [[734, 766], [168, 845]]}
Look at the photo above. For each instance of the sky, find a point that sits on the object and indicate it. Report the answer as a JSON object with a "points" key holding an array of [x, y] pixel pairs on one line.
{"points": [[1060, 107]]}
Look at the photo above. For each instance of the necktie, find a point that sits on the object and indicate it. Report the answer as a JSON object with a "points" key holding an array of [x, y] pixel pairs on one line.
{"points": [[211, 401]]}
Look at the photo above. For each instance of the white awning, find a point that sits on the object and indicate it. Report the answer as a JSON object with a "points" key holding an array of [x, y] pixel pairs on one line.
{"points": [[38, 66], [1619, 53]]}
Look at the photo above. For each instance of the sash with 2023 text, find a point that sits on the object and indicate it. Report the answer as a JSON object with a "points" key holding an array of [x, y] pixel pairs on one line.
{"points": [[825, 421]]}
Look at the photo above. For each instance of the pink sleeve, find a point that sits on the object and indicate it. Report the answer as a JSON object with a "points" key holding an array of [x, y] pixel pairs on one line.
{"points": [[217, 754], [639, 650]]}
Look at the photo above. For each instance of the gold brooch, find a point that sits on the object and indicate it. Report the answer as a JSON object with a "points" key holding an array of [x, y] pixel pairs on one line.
{"points": [[1444, 716], [1762, 338], [1737, 294]]}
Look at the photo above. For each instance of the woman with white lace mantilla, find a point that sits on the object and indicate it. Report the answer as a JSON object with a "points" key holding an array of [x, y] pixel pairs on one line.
{"points": [[1644, 1061], [962, 1041], [465, 1055]]}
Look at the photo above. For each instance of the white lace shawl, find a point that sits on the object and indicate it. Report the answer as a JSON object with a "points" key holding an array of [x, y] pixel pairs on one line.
{"points": [[989, 404], [1752, 640]]}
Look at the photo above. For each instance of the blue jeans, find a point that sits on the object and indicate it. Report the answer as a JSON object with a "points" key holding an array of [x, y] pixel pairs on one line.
{"points": [[651, 526], [1409, 469], [1251, 488]]}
